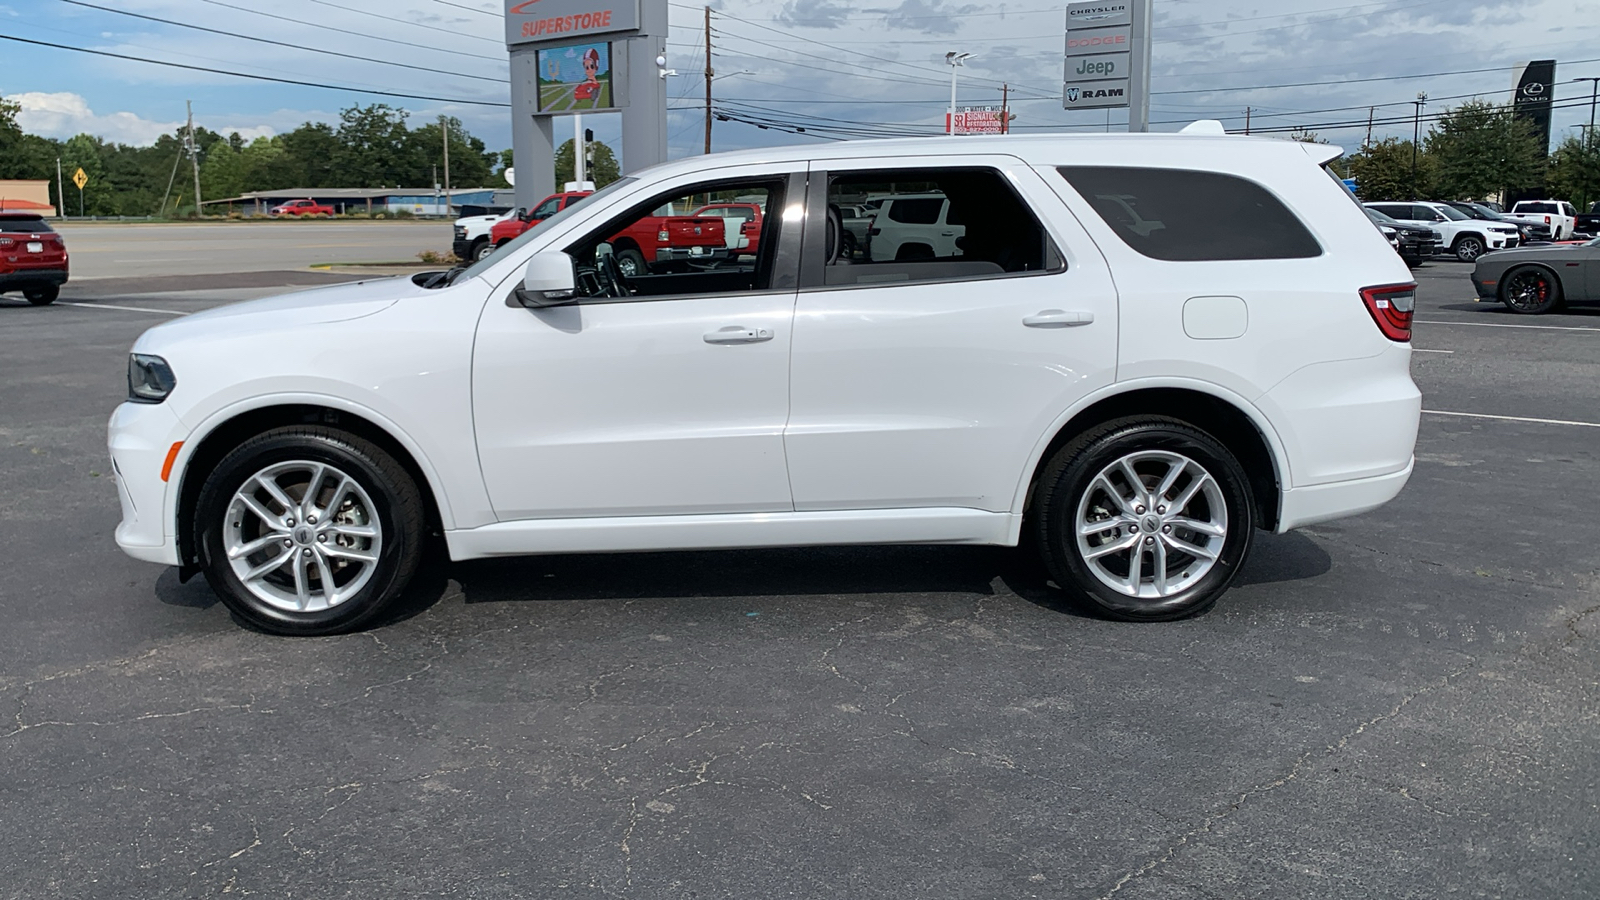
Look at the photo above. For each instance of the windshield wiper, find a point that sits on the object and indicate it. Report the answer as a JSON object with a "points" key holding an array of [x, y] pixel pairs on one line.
{"points": [[443, 279]]}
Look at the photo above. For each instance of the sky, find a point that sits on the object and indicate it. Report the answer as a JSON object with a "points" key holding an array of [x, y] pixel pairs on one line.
{"points": [[823, 63]]}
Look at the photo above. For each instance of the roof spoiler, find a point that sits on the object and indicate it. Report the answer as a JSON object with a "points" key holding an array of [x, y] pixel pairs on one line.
{"points": [[1322, 154]]}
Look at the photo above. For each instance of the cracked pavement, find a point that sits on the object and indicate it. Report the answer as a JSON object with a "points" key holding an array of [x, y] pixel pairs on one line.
{"points": [[1405, 704]]}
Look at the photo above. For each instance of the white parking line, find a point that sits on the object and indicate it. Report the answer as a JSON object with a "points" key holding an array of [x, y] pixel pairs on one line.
{"points": [[1440, 412], [1421, 350], [159, 312], [1499, 325]]}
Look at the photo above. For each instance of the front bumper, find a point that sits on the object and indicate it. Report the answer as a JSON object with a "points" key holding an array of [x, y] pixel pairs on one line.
{"points": [[1487, 289], [18, 279], [463, 249], [139, 437]]}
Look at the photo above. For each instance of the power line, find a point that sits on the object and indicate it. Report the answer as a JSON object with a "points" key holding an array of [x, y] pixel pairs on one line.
{"points": [[394, 19], [261, 40], [481, 12], [1266, 87], [359, 34], [313, 84]]}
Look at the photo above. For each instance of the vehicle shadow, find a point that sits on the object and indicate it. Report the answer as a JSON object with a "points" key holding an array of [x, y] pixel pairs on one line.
{"points": [[817, 571]]}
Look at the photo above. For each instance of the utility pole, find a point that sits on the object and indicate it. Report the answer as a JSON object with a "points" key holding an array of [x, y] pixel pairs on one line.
{"points": [[1368, 141], [956, 59], [61, 191], [1594, 93], [194, 154], [1005, 108], [444, 127], [1247, 120], [708, 79], [1416, 136]]}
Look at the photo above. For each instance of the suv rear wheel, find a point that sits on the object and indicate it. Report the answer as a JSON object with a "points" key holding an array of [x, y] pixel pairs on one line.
{"points": [[307, 530], [1146, 518], [1469, 247], [43, 295]]}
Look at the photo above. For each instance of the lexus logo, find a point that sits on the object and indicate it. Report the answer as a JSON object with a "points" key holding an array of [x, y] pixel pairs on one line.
{"points": [[1073, 94], [1534, 88]]}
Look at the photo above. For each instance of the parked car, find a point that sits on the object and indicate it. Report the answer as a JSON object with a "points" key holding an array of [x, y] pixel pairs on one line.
{"points": [[301, 208], [33, 257], [1525, 231], [742, 224], [1140, 353], [1556, 215], [1414, 243], [1589, 222], [509, 228], [914, 226], [1460, 235], [470, 235], [1537, 279]]}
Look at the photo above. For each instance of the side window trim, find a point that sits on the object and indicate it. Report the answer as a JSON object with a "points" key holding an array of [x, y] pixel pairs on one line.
{"points": [[812, 266]]}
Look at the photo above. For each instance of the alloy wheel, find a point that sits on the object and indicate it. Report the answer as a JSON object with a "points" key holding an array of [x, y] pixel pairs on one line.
{"points": [[1528, 290], [1151, 524]]}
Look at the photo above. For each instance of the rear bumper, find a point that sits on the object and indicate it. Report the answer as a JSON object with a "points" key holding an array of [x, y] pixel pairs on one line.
{"points": [[1326, 502], [26, 278]]}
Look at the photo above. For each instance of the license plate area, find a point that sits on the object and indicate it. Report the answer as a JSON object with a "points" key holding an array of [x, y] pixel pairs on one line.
{"points": [[35, 246]]}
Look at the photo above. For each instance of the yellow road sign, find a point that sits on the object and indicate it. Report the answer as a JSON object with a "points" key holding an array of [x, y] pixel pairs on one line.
{"points": [[80, 178]]}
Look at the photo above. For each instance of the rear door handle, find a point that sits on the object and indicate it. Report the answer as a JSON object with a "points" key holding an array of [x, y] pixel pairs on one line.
{"points": [[1058, 318], [738, 334]]}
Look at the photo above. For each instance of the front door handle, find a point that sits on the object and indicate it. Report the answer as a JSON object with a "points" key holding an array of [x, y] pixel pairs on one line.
{"points": [[738, 334], [1057, 318]]}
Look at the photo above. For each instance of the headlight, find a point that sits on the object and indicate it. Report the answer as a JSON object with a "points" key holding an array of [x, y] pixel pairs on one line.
{"points": [[150, 379]]}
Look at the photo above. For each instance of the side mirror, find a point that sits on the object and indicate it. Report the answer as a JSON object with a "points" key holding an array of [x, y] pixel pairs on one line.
{"points": [[548, 280]]}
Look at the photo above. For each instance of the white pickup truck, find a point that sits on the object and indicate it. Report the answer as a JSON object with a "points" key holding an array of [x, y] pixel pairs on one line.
{"points": [[1556, 215], [471, 235]]}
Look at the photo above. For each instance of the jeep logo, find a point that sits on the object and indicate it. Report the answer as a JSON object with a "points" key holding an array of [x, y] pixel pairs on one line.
{"points": [[1089, 66]]}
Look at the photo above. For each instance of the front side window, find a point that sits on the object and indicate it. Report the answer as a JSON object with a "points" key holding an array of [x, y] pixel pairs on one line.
{"points": [[546, 209], [892, 226], [1180, 215], [674, 245]]}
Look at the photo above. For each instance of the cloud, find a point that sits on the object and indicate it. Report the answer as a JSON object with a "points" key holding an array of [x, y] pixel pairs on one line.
{"points": [[62, 115]]}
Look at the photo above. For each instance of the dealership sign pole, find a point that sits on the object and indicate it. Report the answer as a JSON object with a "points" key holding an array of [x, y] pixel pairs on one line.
{"points": [[1108, 59], [570, 57]]}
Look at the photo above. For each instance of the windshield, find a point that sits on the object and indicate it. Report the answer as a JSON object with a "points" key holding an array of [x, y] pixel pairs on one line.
{"points": [[1379, 217], [1450, 212], [1482, 212], [478, 267]]}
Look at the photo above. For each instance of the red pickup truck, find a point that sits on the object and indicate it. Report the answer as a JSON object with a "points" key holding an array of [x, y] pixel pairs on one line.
{"points": [[504, 232], [659, 240], [301, 208]]}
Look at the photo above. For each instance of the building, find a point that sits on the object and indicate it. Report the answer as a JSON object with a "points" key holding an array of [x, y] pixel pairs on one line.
{"points": [[26, 195], [416, 201]]}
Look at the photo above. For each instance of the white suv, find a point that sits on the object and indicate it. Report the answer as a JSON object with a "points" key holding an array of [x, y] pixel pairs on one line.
{"points": [[1144, 348], [1460, 234]]}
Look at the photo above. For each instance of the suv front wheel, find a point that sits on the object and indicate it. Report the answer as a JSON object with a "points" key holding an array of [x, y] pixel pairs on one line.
{"points": [[1146, 518], [1469, 247]]}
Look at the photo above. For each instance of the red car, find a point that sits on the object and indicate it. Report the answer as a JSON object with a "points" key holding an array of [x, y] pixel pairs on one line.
{"points": [[33, 258], [743, 224], [504, 232], [301, 208]]}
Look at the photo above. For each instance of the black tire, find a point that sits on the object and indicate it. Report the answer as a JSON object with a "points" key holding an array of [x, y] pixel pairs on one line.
{"points": [[847, 246], [631, 263], [397, 509], [1469, 247], [481, 250], [42, 296], [1530, 290], [1068, 482]]}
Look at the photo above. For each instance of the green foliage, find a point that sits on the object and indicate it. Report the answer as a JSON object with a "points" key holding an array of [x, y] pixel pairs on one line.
{"points": [[1575, 170], [602, 169], [1383, 171], [1481, 148]]}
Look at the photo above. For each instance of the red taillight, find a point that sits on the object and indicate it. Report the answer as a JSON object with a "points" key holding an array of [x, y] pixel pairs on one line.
{"points": [[1547, 220], [1392, 307], [6, 242]]}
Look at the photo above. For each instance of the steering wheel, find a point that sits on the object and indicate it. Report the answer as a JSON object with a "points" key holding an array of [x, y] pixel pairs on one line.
{"points": [[611, 278]]}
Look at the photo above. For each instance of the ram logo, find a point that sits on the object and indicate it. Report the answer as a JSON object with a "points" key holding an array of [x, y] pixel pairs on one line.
{"points": [[1073, 94]]}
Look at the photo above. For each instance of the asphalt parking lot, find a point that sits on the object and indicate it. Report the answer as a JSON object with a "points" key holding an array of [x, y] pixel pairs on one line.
{"points": [[1405, 704]]}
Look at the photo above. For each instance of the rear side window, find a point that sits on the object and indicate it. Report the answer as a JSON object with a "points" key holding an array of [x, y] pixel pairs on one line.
{"points": [[1536, 207], [916, 211], [21, 225], [1180, 215]]}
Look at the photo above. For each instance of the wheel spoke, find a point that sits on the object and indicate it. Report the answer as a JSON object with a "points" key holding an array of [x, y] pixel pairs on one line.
{"points": [[308, 500], [1140, 495], [302, 581], [268, 518], [1182, 502], [244, 550], [1088, 528], [271, 487], [270, 565], [1105, 485], [1111, 547], [1173, 472], [353, 531], [1158, 560], [339, 493], [1210, 528], [351, 553], [1135, 568], [325, 573], [1183, 546]]}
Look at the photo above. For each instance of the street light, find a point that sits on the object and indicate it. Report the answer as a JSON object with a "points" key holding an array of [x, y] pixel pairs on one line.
{"points": [[956, 60]]}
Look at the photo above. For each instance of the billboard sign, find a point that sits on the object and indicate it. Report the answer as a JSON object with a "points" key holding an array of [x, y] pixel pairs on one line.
{"points": [[575, 78], [1534, 94], [538, 21], [977, 121], [1099, 55]]}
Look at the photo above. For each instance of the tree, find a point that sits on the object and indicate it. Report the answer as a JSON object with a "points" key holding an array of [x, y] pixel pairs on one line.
{"points": [[224, 172], [1382, 171], [1575, 170], [372, 147], [602, 168], [1481, 148]]}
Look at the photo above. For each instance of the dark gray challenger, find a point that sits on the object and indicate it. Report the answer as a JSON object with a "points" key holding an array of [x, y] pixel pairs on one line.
{"points": [[1540, 277]]}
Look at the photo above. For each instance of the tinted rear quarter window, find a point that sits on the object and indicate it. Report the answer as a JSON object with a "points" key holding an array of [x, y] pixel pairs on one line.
{"points": [[1181, 215], [917, 210]]}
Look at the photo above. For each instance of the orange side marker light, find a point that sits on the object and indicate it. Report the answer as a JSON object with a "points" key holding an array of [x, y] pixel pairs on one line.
{"points": [[172, 456]]}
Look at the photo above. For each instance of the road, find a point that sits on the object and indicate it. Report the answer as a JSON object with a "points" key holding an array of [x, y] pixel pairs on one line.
{"points": [[135, 250], [1403, 704]]}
